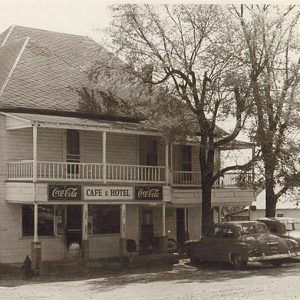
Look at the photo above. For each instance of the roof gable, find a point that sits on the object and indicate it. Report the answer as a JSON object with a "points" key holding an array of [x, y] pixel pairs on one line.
{"points": [[42, 80], [74, 49]]}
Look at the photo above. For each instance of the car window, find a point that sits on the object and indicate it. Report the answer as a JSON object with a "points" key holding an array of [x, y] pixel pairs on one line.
{"points": [[224, 232], [253, 228]]}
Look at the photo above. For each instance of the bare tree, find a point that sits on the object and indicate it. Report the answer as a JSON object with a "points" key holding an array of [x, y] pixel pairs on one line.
{"points": [[180, 54], [269, 49]]}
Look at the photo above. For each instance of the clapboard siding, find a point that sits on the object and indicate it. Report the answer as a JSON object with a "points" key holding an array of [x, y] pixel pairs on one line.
{"points": [[50, 144], [91, 147], [122, 149]]}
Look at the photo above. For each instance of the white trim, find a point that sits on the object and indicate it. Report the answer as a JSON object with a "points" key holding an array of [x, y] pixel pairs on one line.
{"points": [[8, 34], [14, 66]]}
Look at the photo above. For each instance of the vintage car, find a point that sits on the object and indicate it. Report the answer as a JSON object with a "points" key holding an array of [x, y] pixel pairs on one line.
{"points": [[288, 228], [241, 242]]}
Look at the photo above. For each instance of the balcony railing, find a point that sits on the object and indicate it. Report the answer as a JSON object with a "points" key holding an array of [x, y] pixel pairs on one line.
{"points": [[183, 178], [72, 171]]}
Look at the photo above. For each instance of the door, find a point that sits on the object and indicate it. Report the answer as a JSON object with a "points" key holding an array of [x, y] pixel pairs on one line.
{"points": [[186, 163], [180, 226], [73, 224], [146, 223], [73, 152]]}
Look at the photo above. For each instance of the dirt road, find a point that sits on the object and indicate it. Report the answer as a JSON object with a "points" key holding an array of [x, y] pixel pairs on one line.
{"points": [[181, 282]]}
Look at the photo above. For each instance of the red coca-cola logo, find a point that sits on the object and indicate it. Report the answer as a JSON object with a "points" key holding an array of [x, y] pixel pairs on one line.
{"points": [[64, 192]]}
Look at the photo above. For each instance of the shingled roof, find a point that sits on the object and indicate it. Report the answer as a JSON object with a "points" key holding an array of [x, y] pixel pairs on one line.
{"points": [[74, 49], [41, 69]]}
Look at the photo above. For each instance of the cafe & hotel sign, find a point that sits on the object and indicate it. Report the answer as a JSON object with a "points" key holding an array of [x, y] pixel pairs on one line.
{"points": [[107, 193]]}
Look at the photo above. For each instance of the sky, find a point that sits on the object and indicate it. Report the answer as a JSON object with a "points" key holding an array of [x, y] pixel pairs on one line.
{"points": [[69, 16], [81, 17]]}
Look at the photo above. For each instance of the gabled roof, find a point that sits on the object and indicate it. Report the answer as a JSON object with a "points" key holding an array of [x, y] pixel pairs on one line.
{"points": [[35, 77], [41, 69], [74, 49]]}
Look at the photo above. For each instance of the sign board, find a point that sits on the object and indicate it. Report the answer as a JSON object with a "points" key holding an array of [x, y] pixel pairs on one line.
{"points": [[64, 192], [107, 193], [149, 193]]}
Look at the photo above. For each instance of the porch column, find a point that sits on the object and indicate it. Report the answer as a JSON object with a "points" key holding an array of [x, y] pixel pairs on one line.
{"points": [[220, 214], [163, 220], [123, 240], [34, 171], [85, 240], [163, 240], [36, 255], [104, 155], [167, 170]]}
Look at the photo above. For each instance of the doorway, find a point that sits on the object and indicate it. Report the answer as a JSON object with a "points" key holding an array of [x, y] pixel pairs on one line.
{"points": [[73, 225], [180, 226]]}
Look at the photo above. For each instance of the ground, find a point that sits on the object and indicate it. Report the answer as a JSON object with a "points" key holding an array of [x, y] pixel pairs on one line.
{"points": [[182, 281]]}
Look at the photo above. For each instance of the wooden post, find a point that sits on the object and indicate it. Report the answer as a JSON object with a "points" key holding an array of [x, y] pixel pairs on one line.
{"points": [[85, 241], [104, 155], [34, 171], [123, 240], [35, 223], [36, 255], [164, 220], [167, 170], [34, 179]]}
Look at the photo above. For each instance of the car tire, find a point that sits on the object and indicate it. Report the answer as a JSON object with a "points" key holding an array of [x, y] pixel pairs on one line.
{"points": [[194, 262], [238, 262], [276, 263], [173, 246]]}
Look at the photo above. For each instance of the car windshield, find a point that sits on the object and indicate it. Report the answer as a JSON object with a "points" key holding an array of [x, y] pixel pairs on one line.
{"points": [[253, 228]]}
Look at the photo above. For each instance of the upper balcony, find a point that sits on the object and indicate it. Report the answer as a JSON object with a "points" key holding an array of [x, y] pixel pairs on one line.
{"points": [[69, 149], [99, 172]]}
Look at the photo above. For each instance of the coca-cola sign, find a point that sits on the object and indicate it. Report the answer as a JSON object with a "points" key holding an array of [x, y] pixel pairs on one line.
{"points": [[149, 193], [64, 192]]}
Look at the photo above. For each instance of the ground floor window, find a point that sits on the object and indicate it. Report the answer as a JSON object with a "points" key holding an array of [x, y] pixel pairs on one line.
{"points": [[45, 220], [105, 218]]}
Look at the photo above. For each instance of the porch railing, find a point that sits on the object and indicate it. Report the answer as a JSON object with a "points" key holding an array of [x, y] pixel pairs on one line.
{"points": [[20, 170], [72, 171], [183, 178], [135, 173], [66, 171]]}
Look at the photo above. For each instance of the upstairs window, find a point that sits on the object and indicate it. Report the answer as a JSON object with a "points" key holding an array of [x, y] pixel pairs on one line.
{"points": [[73, 146], [152, 153], [186, 157]]}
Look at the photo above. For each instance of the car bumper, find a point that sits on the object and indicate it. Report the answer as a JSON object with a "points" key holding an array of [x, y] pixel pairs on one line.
{"points": [[275, 256]]}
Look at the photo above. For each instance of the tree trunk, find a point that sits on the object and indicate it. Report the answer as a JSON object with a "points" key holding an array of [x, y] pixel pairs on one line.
{"points": [[207, 216], [270, 186]]}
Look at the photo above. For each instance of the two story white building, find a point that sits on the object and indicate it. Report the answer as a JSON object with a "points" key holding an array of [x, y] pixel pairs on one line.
{"points": [[96, 180]]}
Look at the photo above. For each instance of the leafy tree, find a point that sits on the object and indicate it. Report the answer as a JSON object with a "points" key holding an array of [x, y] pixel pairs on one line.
{"points": [[269, 51], [179, 53]]}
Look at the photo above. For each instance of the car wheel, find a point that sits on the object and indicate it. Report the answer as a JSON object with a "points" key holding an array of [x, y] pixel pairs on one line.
{"points": [[237, 261], [172, 246], [194, 262], [276, 263]]}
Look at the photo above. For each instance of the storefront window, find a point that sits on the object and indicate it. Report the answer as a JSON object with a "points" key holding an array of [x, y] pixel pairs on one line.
{"points": [[45, 220], [105, 219]]}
